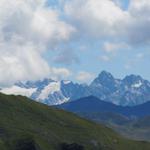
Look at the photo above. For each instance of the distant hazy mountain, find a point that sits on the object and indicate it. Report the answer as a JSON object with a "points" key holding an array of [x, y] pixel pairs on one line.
{"points": [[130, 91], [92, 105]]}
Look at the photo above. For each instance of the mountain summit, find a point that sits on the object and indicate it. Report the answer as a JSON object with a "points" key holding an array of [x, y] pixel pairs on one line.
{"points": [[130, 91], [104, 79]]}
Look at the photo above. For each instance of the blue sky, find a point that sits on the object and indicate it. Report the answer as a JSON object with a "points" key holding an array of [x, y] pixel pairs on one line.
{"points": [[125, 3], [73, 39], [93, 58]]}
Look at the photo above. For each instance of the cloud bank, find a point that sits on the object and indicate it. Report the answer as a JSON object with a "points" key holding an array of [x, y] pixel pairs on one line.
{"points": [[106, 19], [27, 29]]}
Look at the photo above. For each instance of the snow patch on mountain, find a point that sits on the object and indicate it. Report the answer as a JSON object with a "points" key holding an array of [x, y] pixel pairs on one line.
{"points": [[49, 89], [61, 101], [137, 85], [66, 82]]}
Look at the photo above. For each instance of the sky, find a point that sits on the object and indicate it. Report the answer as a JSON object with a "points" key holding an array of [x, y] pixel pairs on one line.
{"points": [[73, 39]]}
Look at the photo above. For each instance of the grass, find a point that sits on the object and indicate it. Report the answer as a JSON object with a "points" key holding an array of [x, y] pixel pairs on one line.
{"points": [[27, 122]]}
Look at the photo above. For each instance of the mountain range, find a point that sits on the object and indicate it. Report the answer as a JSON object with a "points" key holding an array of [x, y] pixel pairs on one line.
{"points": [[92, 104], [130, 91]]}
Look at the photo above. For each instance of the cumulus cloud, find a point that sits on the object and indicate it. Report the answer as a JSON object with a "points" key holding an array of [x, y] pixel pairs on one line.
{"points": [[60, 73], [66, 57], [105, 58], [99, 18], [111, 47], [20, 62], [107, 19], [139, 25], [140, 55], [135, 60], [27, 29], [84, 76]]}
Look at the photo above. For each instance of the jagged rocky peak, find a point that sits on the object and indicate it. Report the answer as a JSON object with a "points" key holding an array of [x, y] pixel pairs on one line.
{"points": [[39, 83], [33, 84], [131, 80], [105, 74], [20, 84], [104, 79]]}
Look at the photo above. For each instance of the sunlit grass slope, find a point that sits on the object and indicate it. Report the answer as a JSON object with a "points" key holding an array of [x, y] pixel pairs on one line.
{"points": [[25, 123]]}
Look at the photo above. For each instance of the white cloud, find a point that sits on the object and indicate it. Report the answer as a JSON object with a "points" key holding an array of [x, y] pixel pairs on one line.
{"points": [[110, 47], [60, 73], [105, 58], [67, 57], [128, 66], [140, 55], [139, 25], [84, 76], [99, 18], [27, 29], [107, 19], [134, 60], [21, 62]]}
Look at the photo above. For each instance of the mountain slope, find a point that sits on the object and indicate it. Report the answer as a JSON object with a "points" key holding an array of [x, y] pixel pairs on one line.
{"points": [[92, 104], [27, 125], [128, 121]]}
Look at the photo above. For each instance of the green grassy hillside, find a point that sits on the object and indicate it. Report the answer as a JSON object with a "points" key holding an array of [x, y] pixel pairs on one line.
{"points": [[137, 128], [27, 125]]}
